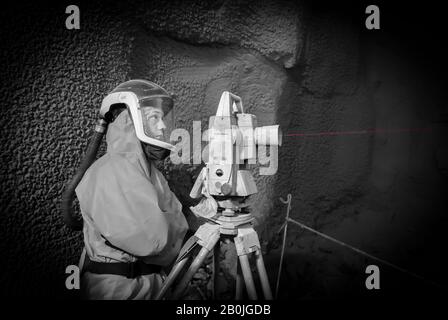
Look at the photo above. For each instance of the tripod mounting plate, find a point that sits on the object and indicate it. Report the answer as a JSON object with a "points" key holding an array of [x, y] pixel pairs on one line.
{"points": [[230, 224]]}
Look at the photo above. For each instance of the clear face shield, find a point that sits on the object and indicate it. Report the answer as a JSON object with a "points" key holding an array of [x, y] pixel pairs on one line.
{"points": [[157, 118]]}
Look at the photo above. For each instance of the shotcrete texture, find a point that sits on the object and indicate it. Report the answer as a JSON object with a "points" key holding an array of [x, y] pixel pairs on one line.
{"points": [[307, 71]]}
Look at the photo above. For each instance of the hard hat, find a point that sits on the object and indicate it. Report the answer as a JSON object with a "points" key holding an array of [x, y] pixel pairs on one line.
{"points": [[150, 108]]}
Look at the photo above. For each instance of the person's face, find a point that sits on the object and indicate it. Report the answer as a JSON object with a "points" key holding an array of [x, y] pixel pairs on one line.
{"points": [[153, 122]]}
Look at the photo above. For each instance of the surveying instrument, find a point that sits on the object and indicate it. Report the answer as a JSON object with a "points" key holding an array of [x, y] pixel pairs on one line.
{"points": [[224, 185]]}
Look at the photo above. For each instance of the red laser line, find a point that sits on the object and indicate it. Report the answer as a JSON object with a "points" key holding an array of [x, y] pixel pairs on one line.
{"points": [[368, 131]]}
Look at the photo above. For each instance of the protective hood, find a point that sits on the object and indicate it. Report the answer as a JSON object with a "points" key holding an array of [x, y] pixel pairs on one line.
{"points": [[140, 95], [125, 200]]}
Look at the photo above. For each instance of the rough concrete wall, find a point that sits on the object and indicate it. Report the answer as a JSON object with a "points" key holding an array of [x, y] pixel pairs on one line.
{"points": [[53, 81], [270, 28], [381, 192], [308, 71]]}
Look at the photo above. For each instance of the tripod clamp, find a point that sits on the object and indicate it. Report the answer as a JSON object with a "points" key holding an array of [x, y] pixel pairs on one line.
{"points": [[207, 236]]}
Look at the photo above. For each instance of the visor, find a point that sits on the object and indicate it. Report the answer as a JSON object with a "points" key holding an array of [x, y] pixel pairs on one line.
{"points": [[157, 118]]}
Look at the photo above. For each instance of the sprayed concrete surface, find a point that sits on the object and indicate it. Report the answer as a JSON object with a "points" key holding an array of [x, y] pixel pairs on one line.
{"points": [[309, 71]]}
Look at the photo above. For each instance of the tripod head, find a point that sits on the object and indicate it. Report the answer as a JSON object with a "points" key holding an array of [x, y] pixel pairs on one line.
{"points": [[233, 138]]}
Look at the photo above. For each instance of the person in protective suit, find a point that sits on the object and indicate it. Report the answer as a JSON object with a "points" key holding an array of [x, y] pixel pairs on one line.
{"points": [[133, 222]]}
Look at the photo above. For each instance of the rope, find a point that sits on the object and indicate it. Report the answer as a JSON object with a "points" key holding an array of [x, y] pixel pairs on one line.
{"points": [[288, 219], [285, 225]]}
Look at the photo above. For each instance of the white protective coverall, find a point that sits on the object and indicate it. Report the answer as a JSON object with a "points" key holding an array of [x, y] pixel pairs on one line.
{"points": [[126, 200]]}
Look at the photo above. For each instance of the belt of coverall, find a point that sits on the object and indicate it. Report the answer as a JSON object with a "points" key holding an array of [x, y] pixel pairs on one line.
{"points": [[127, 269]]}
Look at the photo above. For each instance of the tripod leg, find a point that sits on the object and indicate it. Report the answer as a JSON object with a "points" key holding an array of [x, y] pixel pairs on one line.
{"points": [[239, 283], [197, 262], [216, 252], [208, 237], [248, 279], [181, 260], [263, 276], [171, 277]]}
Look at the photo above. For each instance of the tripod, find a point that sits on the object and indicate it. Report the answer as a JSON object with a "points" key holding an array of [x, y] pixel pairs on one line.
{"points": [[229, 223]]}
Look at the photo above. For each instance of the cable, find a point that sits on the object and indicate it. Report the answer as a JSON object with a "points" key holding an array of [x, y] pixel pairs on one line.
{"points": [[288, 219], [285, 225]]}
